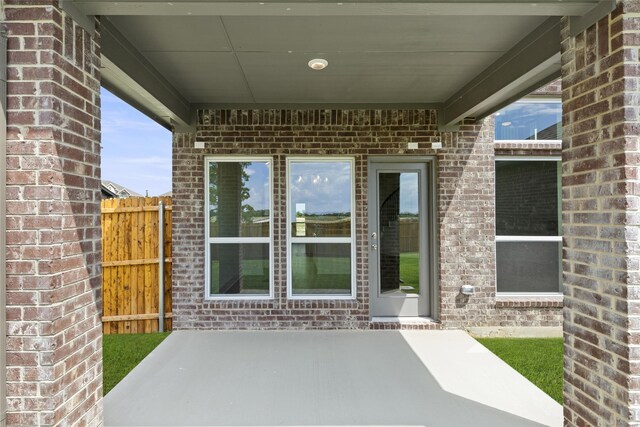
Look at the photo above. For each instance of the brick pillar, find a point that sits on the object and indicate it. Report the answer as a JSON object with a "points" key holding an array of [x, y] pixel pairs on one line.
{"points": [[3, 273], [466, 205], [54, 349], [601, 216], [188, 219]]}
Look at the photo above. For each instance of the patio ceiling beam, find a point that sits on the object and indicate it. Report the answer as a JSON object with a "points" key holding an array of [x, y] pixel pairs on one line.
{"points": [[85, 20], [578, 24], [532, 62], [331, 7], [130, 76]]}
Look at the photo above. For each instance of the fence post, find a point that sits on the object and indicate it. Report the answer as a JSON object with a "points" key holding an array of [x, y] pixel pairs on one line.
{"points": [[161, 266]]}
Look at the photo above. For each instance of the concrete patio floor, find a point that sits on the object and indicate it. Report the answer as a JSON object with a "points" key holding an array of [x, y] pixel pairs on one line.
{"points": [[326, 378]]}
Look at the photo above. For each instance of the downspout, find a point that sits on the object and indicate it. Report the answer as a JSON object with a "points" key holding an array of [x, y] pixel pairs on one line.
{"points": [[3, 214]]}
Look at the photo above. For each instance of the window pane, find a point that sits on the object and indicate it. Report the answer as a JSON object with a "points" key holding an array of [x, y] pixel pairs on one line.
{"points": [[528, 266], [527, 198], [526, 120], [239, 268], [320, 204], [239, 199], [321, 268]]}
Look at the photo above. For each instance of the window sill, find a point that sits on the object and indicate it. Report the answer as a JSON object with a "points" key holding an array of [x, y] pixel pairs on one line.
{"points": [[239, 298], [529, 301]]}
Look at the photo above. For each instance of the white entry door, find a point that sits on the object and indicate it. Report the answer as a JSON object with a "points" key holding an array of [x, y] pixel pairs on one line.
{"points": [[398, 239]]}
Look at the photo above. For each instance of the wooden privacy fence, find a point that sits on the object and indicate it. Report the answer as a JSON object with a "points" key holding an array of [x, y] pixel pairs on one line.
{"points": [[136, 265]]}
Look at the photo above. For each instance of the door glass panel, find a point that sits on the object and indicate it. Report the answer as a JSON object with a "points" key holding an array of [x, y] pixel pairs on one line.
{"points": [[399, 233]]}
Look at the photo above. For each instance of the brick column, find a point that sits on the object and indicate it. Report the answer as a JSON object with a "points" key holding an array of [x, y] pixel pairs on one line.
{"points": [[3, 273], [466, 205], [601, 216], [54, 349]]}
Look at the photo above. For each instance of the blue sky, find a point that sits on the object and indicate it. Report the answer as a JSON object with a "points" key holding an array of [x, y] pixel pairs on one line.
{"points": [[258, 185], [136, 151], [323, 187]]}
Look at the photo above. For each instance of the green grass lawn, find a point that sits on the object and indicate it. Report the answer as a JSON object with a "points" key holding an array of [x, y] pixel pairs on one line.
{"points": [[410, 271], [537, 359], [121, 353]]}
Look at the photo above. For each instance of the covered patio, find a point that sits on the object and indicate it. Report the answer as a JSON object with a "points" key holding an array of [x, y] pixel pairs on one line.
{"points": [[326, 378], [413, 80]]}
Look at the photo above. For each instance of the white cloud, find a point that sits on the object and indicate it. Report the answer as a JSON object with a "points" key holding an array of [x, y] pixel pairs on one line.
{"points": [[324, 187], [136, 151]]}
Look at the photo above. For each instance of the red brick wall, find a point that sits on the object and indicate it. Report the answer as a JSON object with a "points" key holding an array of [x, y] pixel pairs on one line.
{"points": [[465, 213], [553, 88], [601, 215], [54, 348]]}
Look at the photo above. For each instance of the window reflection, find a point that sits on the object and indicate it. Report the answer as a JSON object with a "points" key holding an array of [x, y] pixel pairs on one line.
{"points": [[399, 228], [321, 268], [321, 242], [320, 199], [239, 199], [239, 268], [529, 120]]}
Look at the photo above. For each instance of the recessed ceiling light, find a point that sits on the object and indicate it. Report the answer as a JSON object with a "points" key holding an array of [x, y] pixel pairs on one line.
{"points": [[318, 64]]}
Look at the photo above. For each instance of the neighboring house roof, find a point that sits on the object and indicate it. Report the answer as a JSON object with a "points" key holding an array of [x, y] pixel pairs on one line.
{"points": [[118, 190], [552, 132], [107, 193], [167, 194]]}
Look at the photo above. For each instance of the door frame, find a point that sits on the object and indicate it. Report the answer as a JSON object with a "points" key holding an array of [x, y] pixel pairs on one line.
{"points": [[431, 221]]}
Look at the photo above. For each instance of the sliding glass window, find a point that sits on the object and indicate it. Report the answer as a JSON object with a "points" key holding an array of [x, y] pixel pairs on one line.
{"points": [[238, 227], [321, 250]]}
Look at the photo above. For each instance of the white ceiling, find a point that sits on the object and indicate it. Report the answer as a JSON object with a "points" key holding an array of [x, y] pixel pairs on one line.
{"points": [[372, 59]]}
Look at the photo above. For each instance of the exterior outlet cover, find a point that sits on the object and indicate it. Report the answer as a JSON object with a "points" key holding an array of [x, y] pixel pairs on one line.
{"points": [[412, 146], [436, 145], [468, 290], [198, 144]]}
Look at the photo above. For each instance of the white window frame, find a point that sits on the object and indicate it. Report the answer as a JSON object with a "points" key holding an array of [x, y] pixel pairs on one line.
{"points": [[538, 99], [351, 240], [209, 240], [505, 238]]}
